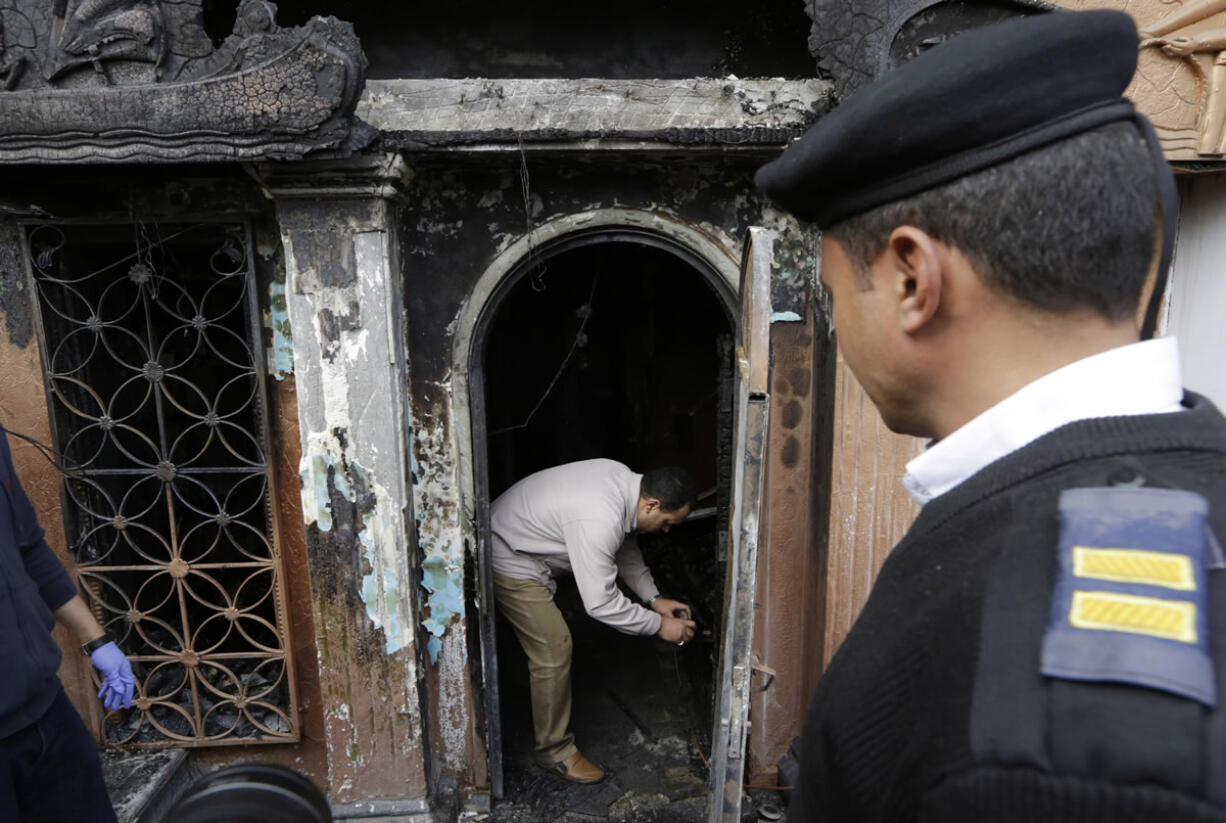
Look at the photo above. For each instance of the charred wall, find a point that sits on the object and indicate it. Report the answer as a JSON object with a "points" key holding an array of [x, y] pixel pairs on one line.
{"points": [[457, 214], [550, 38], [461, 216]]}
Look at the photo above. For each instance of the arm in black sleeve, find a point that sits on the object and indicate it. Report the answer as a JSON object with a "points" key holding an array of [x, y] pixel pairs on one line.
{"points": [[44, 568]]}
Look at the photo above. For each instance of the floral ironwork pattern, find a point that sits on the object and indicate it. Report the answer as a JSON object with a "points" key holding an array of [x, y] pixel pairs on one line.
{"points": [[149, 340]]}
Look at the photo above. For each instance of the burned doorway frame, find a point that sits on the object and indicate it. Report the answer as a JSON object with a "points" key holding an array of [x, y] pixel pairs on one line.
{"points": [[717, 263]]}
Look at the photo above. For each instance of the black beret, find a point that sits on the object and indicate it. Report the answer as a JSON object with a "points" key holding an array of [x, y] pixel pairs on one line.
{"points": [[977, 100]]}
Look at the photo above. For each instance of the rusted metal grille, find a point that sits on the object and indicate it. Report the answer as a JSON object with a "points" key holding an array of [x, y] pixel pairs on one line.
{"points": [[149, 337]]}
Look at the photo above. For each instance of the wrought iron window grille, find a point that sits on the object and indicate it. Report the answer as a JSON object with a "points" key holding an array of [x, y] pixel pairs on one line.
{"points": [[152, 350]]}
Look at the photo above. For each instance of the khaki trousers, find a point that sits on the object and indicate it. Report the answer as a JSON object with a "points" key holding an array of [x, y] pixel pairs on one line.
{"points": [[543, 633]]}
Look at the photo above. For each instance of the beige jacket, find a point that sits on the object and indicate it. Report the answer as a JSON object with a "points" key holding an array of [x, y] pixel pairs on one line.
{"points": [[575, 518]]}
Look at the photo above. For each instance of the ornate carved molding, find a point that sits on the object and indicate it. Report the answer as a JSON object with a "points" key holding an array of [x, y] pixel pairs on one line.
{"points": [[1181, 73], [139, 80], [1180, 82]]}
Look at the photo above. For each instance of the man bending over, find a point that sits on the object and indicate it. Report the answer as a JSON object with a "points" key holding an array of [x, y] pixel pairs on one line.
{"points": [[574, 519]]}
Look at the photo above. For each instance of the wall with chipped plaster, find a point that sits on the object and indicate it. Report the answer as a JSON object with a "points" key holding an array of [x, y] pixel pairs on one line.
{"points": [[344, 306]]}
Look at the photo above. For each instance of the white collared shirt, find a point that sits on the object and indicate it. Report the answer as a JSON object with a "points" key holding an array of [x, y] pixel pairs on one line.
{"points": [[1141, 378], [575, 518]]}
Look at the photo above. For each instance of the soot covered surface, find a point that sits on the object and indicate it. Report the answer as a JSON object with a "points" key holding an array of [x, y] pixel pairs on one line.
{"points": [[610, 350]]}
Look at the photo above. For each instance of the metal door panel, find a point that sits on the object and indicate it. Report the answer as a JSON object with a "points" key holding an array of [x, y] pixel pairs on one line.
{"points": [[752, 406]]}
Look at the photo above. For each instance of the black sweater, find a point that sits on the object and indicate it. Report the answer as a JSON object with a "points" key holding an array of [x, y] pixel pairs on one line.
{"points": [[889, 735], [33, 584]]}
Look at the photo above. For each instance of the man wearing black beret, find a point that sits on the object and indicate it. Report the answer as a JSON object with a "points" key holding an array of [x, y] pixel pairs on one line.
{"points": [[1047, 641]]}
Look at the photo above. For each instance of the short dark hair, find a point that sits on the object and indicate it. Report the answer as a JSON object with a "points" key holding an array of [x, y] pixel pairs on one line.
{"points": [[673, 486], [1070, 225]]}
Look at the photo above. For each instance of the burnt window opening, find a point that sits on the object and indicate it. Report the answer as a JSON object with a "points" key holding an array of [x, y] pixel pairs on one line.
{"points": [[618, 350], [551, 38], [151, 354]]}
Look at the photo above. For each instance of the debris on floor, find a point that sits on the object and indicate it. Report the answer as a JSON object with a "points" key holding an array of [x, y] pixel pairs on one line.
{"points": [[641, 709]]}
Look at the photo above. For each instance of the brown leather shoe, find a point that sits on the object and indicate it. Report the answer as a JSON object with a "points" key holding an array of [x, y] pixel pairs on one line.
{"points": [[577, 769]]}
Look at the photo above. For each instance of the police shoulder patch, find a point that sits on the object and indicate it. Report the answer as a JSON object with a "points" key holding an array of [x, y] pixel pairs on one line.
{"points": [[1130, 600]]}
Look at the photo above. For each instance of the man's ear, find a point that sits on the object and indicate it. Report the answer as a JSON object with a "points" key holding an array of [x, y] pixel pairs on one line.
{"points": [[652, 503], [918, 265]]}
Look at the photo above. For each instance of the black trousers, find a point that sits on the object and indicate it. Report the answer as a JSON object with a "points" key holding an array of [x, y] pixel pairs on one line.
{"points": [[50, 773]]}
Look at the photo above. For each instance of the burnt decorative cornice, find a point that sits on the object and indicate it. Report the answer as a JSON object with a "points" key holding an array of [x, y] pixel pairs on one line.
{"points": [[569, 114], [139, 80]]}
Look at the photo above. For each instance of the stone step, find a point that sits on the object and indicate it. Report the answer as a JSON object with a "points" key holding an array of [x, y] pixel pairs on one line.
{"points": [[143, 784]]}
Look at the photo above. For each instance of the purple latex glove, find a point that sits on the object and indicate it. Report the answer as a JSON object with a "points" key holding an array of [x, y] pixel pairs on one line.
{"points": [[117, 680]]}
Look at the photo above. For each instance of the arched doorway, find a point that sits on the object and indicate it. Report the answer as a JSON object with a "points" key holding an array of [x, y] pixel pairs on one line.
{"points": [[614, 342]]}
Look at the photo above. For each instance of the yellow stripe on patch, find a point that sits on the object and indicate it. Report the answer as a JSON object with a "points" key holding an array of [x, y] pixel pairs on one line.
{"points": [[1109, 611], [1172, 571]]}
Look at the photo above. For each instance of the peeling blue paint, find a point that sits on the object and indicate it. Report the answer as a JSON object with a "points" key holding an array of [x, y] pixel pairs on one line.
{"points": [[322, 475], [391, 591], [341, 481], [281, 353], [370, 595], [370, 592], [327, 475], [785, 317], [446, 600], [317, 481]]}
